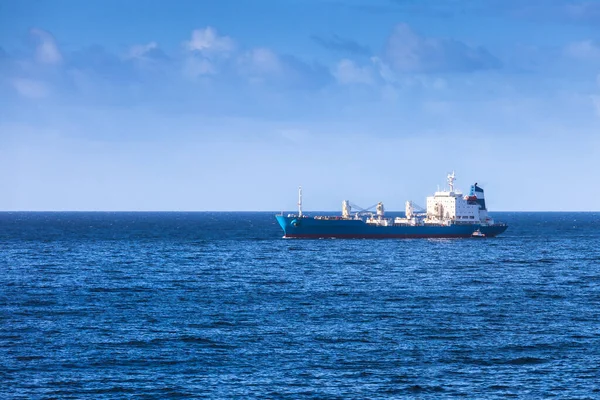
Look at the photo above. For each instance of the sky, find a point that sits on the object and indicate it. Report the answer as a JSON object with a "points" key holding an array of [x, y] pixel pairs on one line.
{"points": [[231, 105]]}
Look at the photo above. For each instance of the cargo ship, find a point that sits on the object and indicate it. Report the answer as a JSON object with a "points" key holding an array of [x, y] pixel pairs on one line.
{"points": [[448, 214]]}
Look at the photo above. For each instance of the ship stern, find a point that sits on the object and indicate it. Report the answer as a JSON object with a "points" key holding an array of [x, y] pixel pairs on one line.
{"points": [[493, 230]]}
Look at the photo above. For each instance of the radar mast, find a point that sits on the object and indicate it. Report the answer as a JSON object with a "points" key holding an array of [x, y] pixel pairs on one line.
{"points": [[451, 179]]}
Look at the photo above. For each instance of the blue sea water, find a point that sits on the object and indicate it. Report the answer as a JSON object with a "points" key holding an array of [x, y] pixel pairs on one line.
{"points": [[218, 305]]}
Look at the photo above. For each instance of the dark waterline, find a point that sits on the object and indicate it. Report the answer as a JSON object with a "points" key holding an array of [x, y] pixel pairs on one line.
{"points": [[113, 305]]}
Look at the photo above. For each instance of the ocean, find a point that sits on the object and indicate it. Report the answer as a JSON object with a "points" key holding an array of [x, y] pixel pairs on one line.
{"points": [[218, 305]]}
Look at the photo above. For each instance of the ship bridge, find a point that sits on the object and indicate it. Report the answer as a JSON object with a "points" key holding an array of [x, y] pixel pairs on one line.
{"points": [[451, 205]]}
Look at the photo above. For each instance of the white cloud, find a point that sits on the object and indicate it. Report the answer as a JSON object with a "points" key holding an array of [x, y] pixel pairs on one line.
{"points": [[347, 72], [139, 51], [264, 66], [426, 81], [409, 52], [208, 49], [586, 49], [210, 53], [384, 70], [46, 51], [261, 61], [195, 67], [208, 41], [260, 65], [30, 88]]}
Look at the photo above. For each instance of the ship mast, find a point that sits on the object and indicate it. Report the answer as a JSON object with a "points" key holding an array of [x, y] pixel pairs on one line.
{"points": [[451, 179], [299, 201]]}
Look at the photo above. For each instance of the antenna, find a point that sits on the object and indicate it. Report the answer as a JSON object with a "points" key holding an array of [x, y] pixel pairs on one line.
{"points": [[299, 201]]}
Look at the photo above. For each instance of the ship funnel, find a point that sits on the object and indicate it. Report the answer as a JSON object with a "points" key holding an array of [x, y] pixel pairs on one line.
{"points": [[478, 193]]}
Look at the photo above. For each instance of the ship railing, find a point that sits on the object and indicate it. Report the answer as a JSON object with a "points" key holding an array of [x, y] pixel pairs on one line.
{"points": [[296, 216]]}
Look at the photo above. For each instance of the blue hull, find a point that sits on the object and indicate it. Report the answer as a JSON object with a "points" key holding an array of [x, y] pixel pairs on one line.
{"points": [[294, 227]]}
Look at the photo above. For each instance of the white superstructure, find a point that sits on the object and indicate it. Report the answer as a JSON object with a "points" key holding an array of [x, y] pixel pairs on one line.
{"points": [[446, 207], [450, 206]]}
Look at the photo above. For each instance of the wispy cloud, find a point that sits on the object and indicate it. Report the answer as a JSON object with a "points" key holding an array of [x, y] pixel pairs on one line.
{"points": [[101, 63], [584, 50], [209, 56], [30, 88], [347, 72], [213, 54], [260, 61], [146, 52], [300, 75], [195, 67], [208, 42], [207, 52], [583, 11], [46, 50], [140, 50], [409, 52], [342, 45]]}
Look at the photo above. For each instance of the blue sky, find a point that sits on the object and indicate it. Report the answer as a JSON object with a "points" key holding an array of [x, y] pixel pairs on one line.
{"points": [[230, 105]]}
